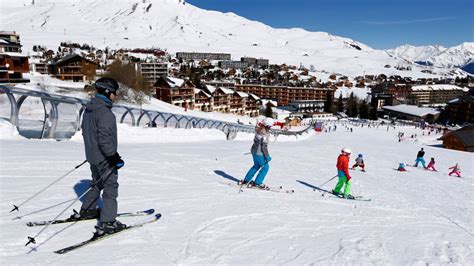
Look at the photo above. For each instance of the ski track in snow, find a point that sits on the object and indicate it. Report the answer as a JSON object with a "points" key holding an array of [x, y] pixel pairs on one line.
{"points": [[416, 217]]}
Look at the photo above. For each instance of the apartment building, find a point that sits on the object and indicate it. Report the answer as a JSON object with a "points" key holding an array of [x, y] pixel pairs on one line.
{"points": [[233, 64], [437, 93], [283, 94], [12, 63], [151, 71], [202, 56], [251, 61]]}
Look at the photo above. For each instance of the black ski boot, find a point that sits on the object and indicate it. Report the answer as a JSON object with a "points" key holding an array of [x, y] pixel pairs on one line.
{"points": [[84, 214], [349, 196], [109, 228]]}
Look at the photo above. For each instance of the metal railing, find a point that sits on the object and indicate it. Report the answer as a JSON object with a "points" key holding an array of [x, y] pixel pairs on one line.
{"points": [[55, 124]]}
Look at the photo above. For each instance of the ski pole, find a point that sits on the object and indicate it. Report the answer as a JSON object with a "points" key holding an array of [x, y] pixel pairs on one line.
{"points": [[328, 181], [44, 209], [16, 208], [33, 240]]}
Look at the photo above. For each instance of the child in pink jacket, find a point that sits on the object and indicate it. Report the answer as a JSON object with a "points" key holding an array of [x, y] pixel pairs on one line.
{"points": [[431, 165], [456, 170]]}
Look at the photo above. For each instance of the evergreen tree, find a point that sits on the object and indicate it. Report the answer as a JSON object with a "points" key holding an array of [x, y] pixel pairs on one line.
{"points": [[268, 110], [373, 113], [340, 104], [329, 103], [364, 110], [352, 106]]}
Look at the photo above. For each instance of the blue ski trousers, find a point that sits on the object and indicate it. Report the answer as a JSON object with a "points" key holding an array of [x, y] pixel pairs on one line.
{"points": [[258, 164]]}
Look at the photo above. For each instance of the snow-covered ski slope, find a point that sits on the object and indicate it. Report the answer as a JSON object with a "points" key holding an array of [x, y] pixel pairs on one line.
{"points": [[415, 217]]}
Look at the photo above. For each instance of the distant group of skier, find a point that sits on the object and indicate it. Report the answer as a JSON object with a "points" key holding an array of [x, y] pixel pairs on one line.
{"points": [[456, 169], [261, 159]]}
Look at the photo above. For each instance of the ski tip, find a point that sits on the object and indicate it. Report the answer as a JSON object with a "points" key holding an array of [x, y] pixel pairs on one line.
{"points": [[15, 208], [29, 224], [30, 240], [150, 211], [158, 215], [60, 251]]}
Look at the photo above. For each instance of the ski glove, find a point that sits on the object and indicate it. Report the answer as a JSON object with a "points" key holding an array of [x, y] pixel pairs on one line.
{"points": [[268, 159], [116, 161]]}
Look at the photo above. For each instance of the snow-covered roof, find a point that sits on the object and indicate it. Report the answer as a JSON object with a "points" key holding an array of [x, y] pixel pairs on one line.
{"points": [[437, 87], [13, 54], [226, 91], [254, 96], [3, 41], [280, 111], [196, 91], [211, 88], [242, 94], [455, 100], [176, 81], [266, 101], [412, 110]]}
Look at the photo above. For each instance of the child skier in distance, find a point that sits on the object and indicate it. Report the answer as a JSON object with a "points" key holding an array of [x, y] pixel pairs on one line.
{"points": [[260, 155], [401, 167], [431, 165], [359, 162], [456, 170]]}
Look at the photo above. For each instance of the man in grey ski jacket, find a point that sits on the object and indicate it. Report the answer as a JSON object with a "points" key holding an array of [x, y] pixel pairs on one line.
{"points": [[99, 130]]}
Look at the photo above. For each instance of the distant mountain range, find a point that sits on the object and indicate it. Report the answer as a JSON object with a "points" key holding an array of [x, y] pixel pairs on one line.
{"points": [[460, 56], [178, 26]]}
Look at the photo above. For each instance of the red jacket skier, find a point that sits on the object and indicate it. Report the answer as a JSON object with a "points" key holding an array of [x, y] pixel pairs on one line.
{"points": [[343, 174]]}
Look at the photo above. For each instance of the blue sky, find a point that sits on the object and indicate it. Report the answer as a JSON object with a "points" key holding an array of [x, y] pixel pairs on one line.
{"points": [[380, 24]]}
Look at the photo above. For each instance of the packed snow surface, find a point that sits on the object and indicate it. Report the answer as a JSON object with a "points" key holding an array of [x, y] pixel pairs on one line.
{"points": [[415, 217]]}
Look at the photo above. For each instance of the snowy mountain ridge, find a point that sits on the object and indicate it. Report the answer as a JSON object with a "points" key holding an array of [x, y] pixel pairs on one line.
{"points": [[438, 56], [178, 26]]}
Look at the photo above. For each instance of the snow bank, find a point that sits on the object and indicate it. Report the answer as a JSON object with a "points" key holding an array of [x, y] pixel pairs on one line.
{"points": [[8, 131]]}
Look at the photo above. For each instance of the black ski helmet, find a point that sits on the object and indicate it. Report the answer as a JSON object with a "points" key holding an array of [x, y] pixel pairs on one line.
{"points": [[106, 86]]}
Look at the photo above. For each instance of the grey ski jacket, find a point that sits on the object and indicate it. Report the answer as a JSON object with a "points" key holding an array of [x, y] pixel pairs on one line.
{"points": [[99, 130]]}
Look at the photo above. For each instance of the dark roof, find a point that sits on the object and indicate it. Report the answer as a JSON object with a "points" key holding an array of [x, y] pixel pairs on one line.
{"points": [[69, 57], [468, 98]]}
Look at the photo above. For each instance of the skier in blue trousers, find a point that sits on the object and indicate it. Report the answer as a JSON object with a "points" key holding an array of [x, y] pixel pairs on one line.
{"points": [[260, 155]]}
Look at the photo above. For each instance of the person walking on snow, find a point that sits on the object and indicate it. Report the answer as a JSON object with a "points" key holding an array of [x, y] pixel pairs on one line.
{"points": [[359, 162], [431, 165], [260, 155], [456, 170], [99, 130], [419, 158], [343, 174]]}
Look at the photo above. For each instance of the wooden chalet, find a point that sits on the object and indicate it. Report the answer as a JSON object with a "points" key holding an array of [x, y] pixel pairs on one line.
{"points": [[175, 91], [202, 100], [461, 139], [222, 99], [74, 67]]}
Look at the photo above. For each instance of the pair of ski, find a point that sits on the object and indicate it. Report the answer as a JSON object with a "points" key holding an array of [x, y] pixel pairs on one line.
{"points": [[341, 196], [96, 238], [279, 189]]}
